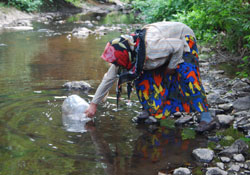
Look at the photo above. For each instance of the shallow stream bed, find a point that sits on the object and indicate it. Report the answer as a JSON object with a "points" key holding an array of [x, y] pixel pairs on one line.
{"points": [[33, 66]]}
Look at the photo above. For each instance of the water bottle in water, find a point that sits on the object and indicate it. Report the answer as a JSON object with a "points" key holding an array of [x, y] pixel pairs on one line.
{"points": [[73, 117]]}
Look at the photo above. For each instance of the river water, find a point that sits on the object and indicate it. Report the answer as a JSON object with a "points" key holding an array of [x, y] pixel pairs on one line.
{"points": [[33, 67]]}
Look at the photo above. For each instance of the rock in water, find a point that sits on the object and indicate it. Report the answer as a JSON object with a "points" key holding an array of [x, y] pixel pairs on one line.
{"points": [[81, 32], [73, 116], [77, 85]]}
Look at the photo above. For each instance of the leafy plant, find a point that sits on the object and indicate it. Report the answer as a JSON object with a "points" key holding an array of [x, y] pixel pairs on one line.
{"points": [[223, 24], [158, 10], [167, 123], [188, 133], [229, 136], [37, 5], [245, 67]]}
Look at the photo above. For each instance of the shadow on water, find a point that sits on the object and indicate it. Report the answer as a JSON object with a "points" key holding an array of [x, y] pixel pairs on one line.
{"points": [[33, 66]]}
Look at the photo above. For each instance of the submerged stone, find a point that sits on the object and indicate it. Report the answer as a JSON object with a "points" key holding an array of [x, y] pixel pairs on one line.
{"points": [[80, 85], [82, 32]]}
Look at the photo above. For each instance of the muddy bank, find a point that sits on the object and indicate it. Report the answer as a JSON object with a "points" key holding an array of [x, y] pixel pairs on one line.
{"points": [[11, 17]]}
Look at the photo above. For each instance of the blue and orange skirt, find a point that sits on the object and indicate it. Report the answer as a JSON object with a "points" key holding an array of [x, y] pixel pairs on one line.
{"points": [[162, 95]]}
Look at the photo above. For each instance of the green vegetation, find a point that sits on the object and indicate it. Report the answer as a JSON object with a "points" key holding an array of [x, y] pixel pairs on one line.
{"points": [[244, 66], [168, 123], [223, 24], [229, 136], [198, 171], [26, 5], [37, 5], [188, 133]]}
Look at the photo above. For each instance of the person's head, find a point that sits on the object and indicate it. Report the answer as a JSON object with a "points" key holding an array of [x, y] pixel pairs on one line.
{"points": [[120, 51]]}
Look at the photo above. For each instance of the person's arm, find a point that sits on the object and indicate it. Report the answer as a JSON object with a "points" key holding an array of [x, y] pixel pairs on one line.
{"points": [[108, 80]]}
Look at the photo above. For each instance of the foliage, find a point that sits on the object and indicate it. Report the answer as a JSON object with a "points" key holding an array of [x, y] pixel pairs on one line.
{"points": [[37, 5], [224, 24], [212, 145], [245, 66], [229, 136], [26, 5], [197, 170], [187, 133], [167, 123], [225, 20], [2, 4], [158, 10]]}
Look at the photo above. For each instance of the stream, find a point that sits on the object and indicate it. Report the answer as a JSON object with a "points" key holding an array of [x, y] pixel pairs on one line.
{"points": [[33, 67]]}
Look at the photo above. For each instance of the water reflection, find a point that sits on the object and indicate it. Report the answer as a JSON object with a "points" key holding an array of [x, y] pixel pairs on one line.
{"points": [[160, 150]]}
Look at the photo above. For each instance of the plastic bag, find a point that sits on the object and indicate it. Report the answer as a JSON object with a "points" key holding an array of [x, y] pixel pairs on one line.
{"points": [[73, 117]]}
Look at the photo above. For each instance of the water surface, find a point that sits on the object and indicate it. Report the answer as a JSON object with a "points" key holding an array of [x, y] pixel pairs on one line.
{"points": [[33, 67]]}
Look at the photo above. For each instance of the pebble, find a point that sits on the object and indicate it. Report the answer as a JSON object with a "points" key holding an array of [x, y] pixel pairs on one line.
{"points": [[183, 120], [239, 157], [242, 103], [226, 107], [220, 165], [247, 165], [215, 171], [225, 159], [1, 45], [234, 167], [182, 171], [245, 172], [203, 155], [177, 114], [224, 119]]}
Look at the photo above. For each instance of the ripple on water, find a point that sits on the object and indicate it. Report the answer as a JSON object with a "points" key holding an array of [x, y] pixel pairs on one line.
{"points": [[29, 134]]}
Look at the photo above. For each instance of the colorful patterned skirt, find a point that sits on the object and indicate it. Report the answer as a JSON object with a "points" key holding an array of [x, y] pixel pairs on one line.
{"points": [[162, 95]]}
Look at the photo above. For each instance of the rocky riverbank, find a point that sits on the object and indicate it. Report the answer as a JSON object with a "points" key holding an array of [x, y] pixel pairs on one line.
{"points": [[229, 101], [11, 18]]}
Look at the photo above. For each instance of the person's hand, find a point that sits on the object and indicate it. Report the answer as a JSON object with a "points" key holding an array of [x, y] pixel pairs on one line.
{"points": [[169, 71], [90, 112]]}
